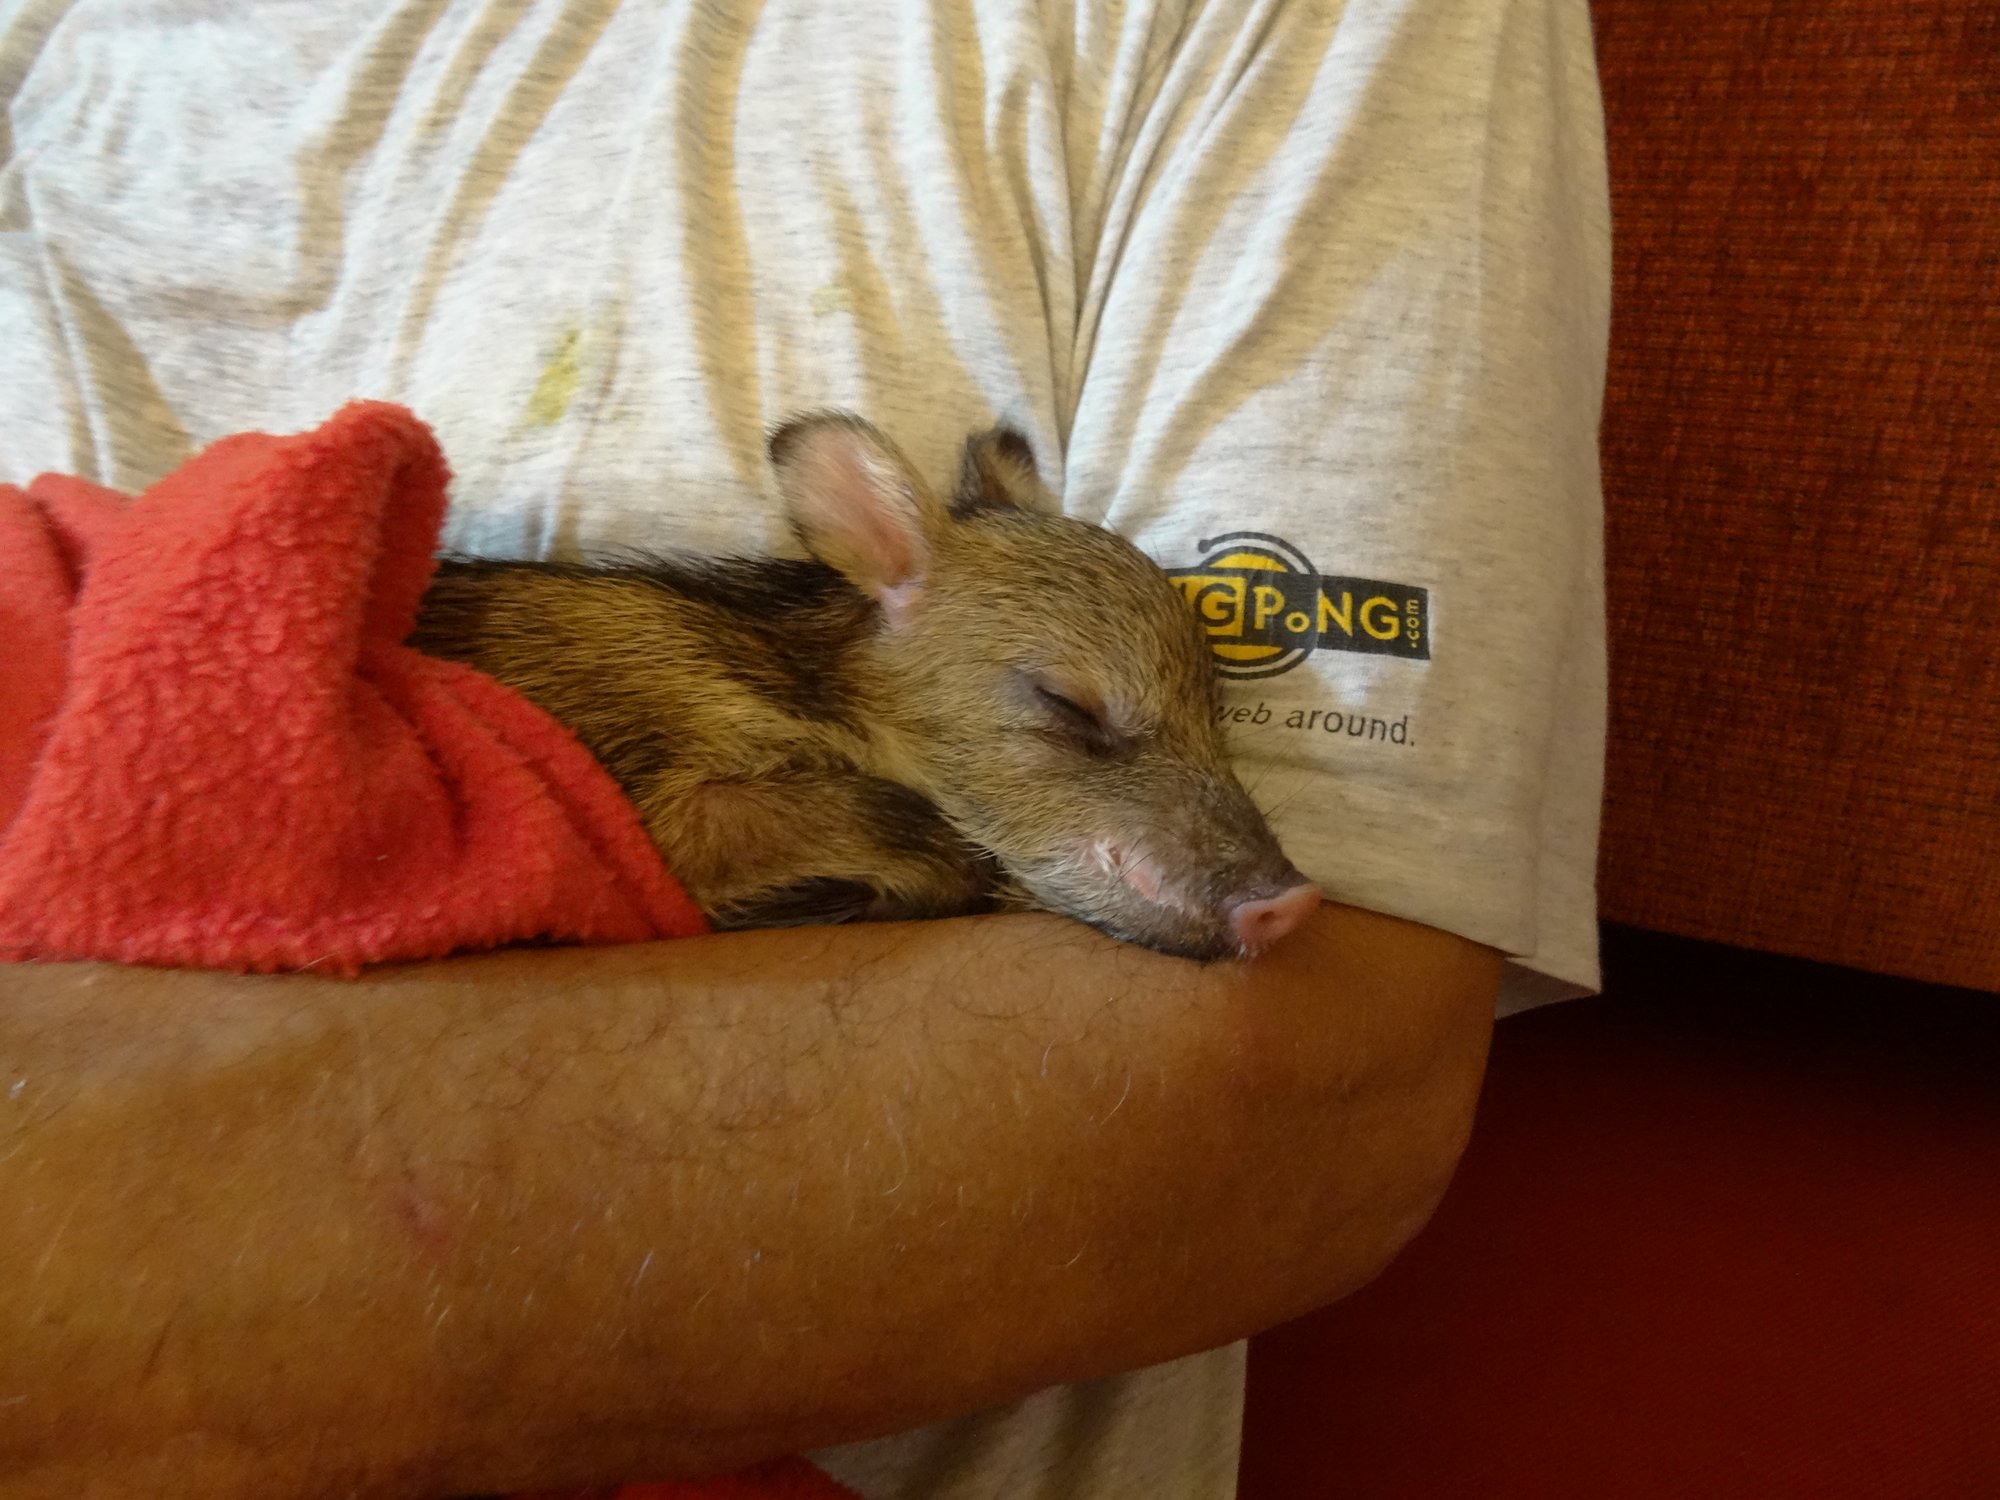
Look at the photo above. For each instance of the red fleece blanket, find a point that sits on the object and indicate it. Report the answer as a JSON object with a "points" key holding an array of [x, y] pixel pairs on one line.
{"points": [[217, 752]]}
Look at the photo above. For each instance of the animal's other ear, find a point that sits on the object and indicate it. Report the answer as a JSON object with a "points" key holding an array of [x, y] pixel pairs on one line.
{"points": [[857, 505], [999, 470]]}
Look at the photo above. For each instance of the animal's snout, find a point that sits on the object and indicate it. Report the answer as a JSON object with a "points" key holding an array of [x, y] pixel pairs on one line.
{"points": [[1252, 909], [1261, 922]]}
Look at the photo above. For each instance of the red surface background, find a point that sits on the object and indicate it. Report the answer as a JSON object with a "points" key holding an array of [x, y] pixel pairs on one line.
{"points": [[1731, 1231]]}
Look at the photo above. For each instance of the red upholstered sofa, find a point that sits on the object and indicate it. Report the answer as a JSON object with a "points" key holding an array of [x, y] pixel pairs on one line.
{"points": [[1733, 1229]]}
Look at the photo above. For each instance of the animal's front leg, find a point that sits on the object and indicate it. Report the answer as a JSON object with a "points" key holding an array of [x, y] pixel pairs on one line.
{"points": [[812, 846]]}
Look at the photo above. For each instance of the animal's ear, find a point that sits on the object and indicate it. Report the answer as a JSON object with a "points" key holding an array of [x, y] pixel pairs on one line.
{"points": [[999, 470], [857, 505]]}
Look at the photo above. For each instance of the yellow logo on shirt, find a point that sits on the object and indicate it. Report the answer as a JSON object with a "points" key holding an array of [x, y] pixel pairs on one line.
{"points": [[1267, 609]]}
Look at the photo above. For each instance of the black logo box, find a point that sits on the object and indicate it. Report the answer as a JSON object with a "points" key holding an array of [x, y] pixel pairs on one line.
{"points": [[1307, 611]]}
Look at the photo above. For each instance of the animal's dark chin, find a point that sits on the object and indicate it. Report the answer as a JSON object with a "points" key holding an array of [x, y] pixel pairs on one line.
{"points": [[1178, 932], [1201, 947]]}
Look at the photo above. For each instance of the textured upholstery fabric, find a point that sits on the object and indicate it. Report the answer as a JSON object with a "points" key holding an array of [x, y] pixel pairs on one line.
{"points": [[1802, 459], [1726, 1233]]}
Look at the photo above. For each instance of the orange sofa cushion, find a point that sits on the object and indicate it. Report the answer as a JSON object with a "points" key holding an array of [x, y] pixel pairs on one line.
{"points": [[1802, 464]]}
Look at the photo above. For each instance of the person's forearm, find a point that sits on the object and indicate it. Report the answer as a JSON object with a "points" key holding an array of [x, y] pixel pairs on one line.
{"points": [[567, 1217]]}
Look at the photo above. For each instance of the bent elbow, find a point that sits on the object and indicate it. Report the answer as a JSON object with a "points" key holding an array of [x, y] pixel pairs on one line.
{"points": [[1367, 1112]]}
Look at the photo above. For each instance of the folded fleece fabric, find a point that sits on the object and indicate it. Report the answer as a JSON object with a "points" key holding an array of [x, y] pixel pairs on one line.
{"points": [[215, 750]]}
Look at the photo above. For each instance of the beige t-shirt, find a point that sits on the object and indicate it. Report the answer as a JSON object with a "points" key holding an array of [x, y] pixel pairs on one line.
{"points": [[1308, 299]]}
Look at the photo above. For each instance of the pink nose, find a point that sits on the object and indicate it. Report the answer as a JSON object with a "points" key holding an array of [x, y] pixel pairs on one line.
{"points": [[1258, 924]]}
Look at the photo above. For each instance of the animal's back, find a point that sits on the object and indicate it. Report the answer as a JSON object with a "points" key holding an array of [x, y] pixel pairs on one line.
{"points": [[726, 699], [661, 666]]}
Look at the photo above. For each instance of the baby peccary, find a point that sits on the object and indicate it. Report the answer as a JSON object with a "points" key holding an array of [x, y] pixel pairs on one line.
{"points": [[949, 709]]}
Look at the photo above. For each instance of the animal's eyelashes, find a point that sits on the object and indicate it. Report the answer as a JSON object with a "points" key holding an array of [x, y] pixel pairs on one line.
{"points": [[1073, 714]]}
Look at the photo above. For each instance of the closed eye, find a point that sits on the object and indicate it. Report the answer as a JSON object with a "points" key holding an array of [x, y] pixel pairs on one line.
{"points": [[1076, 722], [1068, 712]]}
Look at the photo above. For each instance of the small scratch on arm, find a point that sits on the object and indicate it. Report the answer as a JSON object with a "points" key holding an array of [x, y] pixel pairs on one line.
{"points": [[1121, 1098], [159, 1345], [902, 1152]]}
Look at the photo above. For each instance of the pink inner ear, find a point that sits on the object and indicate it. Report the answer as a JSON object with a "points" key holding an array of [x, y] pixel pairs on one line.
{"points": [[862, 515], [889, 550]]}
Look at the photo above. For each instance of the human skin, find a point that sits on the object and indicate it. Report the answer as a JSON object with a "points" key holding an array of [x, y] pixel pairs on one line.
{"points": [[567, 1217]]}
